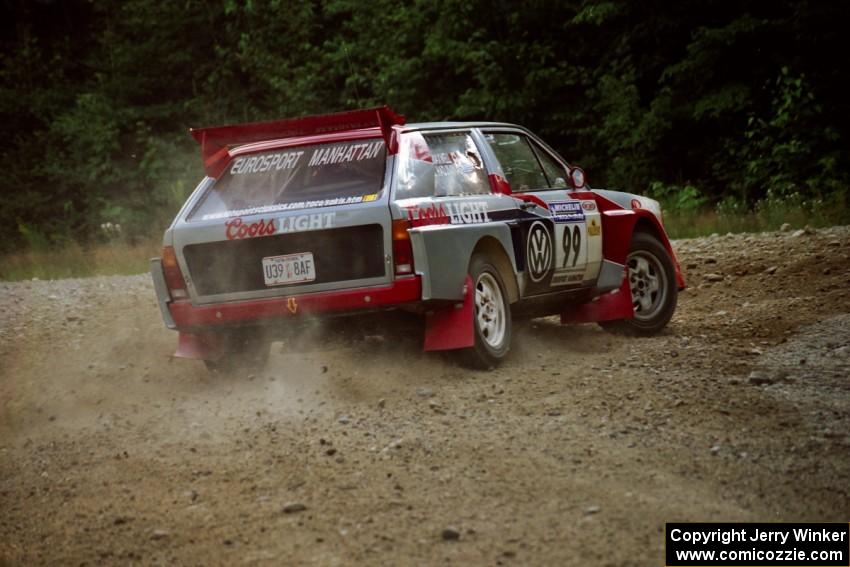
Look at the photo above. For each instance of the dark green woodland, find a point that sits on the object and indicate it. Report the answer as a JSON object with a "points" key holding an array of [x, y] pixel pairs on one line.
{"points": [[703, 104]]}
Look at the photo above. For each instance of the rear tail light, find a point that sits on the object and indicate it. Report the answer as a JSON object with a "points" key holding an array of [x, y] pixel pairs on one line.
{"points": [[173, 276], [402, 249]]}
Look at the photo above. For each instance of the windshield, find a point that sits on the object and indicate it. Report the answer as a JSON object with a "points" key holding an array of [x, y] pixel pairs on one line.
{"points": [[320, 175]]}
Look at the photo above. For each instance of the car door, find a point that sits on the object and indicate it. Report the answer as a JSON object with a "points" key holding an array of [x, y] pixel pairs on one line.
{"points": [[562, 233]]}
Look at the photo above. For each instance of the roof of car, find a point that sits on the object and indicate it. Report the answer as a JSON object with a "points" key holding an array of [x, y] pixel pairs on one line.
{"points": [[446, 125]]}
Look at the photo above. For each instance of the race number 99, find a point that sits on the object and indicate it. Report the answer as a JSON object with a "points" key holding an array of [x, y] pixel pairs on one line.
{"points": [[571, 244]]}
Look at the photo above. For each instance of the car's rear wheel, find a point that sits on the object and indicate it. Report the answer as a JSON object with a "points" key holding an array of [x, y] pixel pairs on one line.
{"points": [[652, 282], [243, 351], [492, 314]]}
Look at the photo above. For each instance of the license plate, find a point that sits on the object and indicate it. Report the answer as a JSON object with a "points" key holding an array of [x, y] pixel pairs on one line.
{"points": [[290, 268]]}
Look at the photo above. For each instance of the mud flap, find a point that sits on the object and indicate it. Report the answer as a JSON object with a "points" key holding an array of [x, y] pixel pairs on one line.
{"points": [[611, 306], [451, 327], [200, 346]]}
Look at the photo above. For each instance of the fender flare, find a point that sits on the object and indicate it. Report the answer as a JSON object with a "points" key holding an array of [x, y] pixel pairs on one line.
{"points": [[647, 218], [618, 225], [449, 249], [441, 255]]}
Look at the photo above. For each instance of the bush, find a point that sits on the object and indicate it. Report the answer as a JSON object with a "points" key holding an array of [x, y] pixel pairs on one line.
{"points": [[678, 200]]}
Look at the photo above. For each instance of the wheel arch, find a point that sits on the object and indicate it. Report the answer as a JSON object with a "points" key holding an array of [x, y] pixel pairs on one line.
{"points": [[497, 254], [648, 223], [643, 224]]}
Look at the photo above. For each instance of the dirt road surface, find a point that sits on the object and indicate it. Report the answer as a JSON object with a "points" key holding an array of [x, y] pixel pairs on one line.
{"points": [[355, 448]]}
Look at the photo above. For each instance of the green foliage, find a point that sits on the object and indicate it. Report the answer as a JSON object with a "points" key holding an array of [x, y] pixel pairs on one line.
{"points": [[74, 260], [731, 207], [698, 103], [785, 153], [734, 214], [681, 201]]}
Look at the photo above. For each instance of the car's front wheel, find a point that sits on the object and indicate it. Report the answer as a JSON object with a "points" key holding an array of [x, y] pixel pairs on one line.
{"points": [[492, 314], [652, 282]]}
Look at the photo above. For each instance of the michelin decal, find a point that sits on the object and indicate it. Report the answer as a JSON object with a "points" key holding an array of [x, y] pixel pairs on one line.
{"points": [[567, 211]]}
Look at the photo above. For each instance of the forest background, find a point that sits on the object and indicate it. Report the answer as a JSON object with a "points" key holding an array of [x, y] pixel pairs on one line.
{"points": [[730, 113]]}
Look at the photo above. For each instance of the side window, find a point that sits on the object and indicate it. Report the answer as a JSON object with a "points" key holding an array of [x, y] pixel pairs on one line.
{"points": [[521, 167], [554, 171], [439, 165]]}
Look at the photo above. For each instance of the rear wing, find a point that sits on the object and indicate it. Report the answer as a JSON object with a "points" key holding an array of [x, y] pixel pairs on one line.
{"points": [[216, 142]]}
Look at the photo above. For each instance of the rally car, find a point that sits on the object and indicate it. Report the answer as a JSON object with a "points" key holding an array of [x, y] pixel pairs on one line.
{"points": [[467, 224]]}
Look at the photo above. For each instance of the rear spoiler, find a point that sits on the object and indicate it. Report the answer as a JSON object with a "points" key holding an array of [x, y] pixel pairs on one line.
{"points": [[216, 142]]}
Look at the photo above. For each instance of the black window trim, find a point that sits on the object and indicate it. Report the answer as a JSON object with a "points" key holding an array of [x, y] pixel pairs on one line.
{"points": [[537, 148]]}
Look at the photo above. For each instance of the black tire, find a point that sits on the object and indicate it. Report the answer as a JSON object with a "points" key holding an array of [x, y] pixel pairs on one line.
{"points": [[491, 315], [243, 352], [648, 261]]}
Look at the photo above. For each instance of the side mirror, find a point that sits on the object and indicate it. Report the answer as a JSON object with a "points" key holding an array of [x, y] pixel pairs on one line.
{"points": [[577, 177]]}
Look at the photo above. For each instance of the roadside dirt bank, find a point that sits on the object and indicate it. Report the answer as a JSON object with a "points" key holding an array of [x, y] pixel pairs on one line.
{"points": [[358, 449]]}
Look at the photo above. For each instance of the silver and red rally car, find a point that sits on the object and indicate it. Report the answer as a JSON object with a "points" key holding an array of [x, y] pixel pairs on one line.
{"points": [[467, 224]]}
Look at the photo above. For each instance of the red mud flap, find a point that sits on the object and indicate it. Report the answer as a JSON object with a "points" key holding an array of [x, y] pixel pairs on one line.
{"points": [[200, 346], [451, 327], [609, 307]]}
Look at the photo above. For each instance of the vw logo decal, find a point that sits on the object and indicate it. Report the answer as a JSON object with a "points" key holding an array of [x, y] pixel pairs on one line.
{"points": [[538, 251]]}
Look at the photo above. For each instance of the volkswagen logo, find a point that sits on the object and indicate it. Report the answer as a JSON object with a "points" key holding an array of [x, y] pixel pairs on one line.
{"points": [[538, 251]]}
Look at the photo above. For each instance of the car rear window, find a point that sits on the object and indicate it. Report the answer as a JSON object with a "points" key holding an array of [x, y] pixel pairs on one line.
{"points": [[319, 175]]}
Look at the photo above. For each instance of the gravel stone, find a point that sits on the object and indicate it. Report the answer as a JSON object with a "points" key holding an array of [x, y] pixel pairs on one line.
{"points": [[759, 378], [293, 507]]}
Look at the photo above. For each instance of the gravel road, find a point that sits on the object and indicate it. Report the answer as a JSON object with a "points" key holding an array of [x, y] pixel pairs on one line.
{"points": [[354, 448]]}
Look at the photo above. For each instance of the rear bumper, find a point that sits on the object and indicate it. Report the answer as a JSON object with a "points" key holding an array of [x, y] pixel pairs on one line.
{"points": [[187, 316]]}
